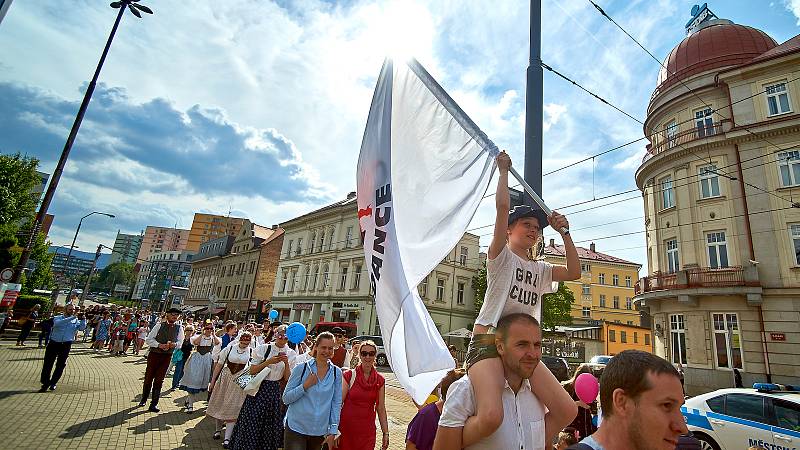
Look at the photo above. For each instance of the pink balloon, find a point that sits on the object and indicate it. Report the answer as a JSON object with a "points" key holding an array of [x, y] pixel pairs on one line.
{"points": [[587, 387]]}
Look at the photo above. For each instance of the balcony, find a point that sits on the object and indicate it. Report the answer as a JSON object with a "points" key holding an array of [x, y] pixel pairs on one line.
{"points": [[700, 281], [665, 143]]}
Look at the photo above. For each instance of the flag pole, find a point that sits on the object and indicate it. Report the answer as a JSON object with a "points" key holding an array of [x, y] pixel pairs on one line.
{"points": [[533, 105], [534, 195]]}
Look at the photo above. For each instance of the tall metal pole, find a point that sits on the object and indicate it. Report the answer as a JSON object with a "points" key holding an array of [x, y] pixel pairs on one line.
{"points": [[91, 271], [62, 161], [533, 105]]}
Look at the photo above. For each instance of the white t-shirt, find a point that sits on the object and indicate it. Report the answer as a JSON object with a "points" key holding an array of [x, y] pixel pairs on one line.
{"points": [[514, 285], [275, 370], [231, 353], [523, 417]]}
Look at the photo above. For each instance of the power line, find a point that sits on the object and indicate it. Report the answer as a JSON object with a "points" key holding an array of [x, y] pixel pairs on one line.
{"points": [[691, 91]]}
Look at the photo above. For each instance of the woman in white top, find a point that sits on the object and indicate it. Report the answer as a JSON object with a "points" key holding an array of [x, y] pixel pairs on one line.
{"points": [[197, 370], [227, 396], [260, 423]]}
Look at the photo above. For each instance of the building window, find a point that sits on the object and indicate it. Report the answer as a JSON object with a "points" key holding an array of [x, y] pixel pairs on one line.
{"points": [[677, 333], [460, 294], [462, 258], [704, 122], [628, 281], [586, 312], [612, 335], [789, 167], [647, 339], [795, 232], [635, 334], [299, 247], [615, 280], [602, 300], [587, 289], [616, 302], [673, 264], [601, 278], [667, 193], [348, 240], [727, 340], [227, 291], [325, 277], [356, 277], [630, 322], [289, 248], [307, 272], [252, 267], [283, 280], [423, 288], [343, 278], [586, 268], [314, 278], [671, 133], [312, 242], [623, 337], [778, 99], [440, 289], [628, 303], [709, 181], [236, 289], [321, 241], [717, 250], [330, 239]]}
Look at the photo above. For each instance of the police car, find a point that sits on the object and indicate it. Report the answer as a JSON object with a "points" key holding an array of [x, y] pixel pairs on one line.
{"points": [[767, 416]]}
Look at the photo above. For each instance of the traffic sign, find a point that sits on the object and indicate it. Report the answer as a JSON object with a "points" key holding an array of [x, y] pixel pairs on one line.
{"points": [[6, 274]]}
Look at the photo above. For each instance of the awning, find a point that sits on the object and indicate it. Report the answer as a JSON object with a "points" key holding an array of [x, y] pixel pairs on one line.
{"points": [[218, 310], [193, 308], [461, 332]]}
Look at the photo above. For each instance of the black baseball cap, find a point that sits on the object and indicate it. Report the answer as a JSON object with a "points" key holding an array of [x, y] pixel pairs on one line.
{"points": [[337, 330], [523, 211], [174, 311]]}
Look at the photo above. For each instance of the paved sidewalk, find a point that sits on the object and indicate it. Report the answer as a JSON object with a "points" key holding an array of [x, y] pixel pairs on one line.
{"points": [[95, 406]]}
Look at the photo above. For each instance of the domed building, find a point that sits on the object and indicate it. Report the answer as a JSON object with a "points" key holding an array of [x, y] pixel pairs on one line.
{"points": [[721, 189]]}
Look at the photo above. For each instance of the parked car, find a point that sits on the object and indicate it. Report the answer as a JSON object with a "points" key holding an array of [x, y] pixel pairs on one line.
{"points": [[766, 416], [558, 366], [380, 359], [598, 364]]}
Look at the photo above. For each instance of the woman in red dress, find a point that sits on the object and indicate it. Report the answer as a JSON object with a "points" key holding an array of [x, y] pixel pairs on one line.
{"points": [[363, 395]]}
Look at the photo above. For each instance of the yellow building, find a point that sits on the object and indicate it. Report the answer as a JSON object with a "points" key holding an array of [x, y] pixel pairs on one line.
{"points": [[206, 227], [605, 290], [618, 337], [720, 181]]}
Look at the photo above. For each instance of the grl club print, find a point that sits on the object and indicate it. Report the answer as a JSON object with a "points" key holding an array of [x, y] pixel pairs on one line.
{"points": [[525, 292]]}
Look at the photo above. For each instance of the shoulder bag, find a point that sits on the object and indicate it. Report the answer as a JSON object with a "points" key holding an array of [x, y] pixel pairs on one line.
{"points": [[254, 384]]}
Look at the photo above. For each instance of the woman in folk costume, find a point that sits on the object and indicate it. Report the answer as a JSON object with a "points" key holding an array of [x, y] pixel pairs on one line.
{"points": [[260, 423], [226, 395], [197, 369]]}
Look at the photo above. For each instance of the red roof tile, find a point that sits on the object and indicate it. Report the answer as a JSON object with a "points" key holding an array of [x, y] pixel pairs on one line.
{"points": [[585, 253]]}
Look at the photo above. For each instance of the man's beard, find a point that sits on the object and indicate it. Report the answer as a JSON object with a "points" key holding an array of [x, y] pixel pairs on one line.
{"points": [[521, 372], [636, 436]]}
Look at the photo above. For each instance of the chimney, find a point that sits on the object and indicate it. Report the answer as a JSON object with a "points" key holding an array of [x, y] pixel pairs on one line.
{"points": [[552, 242], [592, 248], [274, 227], [351, 195]]}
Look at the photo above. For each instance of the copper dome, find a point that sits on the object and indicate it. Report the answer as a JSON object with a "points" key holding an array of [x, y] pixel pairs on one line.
{"points": [[720, 44]]}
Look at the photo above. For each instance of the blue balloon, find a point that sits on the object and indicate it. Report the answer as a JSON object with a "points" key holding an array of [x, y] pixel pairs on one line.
{"points": [[296, 332], [273, 314]]}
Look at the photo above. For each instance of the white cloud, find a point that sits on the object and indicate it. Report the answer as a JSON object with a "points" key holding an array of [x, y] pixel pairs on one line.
{"points": [[794, 7], [553, 112]]}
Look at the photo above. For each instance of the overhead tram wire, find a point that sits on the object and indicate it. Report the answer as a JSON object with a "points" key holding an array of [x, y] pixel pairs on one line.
{"points": [[714, 111], [681, 145]]}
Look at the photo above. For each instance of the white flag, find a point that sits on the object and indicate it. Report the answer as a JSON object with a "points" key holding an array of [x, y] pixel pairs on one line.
{"points": [[423, 169]]}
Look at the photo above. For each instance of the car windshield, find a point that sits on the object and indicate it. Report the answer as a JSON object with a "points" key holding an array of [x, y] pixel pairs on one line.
{"points": [[600, 359]]}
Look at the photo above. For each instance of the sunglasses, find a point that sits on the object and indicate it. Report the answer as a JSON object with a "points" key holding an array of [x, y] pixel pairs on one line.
{"points": [[280, 335], [365, 354]]}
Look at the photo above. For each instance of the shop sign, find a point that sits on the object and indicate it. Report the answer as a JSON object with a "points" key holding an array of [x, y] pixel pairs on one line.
{"points": [[777, 336], [302, 306]]}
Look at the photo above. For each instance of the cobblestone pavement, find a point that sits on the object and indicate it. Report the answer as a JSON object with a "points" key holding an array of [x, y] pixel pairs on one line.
{"points": [[95, 406]]}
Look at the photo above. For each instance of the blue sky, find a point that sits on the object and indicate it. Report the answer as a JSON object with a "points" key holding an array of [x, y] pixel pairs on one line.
{"points": [[258, 107]]}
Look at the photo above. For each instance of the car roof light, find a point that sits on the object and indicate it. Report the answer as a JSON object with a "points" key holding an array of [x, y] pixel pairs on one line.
{"points": [[772, 387]]}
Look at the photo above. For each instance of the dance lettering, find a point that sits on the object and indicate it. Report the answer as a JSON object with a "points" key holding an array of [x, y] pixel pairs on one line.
{"points": [[383, 215]]}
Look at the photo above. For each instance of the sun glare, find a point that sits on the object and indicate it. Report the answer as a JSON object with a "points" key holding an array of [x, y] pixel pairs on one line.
{"points": [[404, 30]]}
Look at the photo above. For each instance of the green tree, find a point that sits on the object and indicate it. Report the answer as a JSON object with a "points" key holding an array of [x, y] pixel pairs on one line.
{"points": [[18, 178], [42, 276], [479, 285], [557, 307], [113, 274]]}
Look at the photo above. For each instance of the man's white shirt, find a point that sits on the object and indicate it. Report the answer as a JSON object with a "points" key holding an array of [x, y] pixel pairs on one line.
{"points": [[523, 417]]}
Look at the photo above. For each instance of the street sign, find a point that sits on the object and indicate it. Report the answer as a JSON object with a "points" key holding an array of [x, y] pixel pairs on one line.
{"points": [[6, 274], [10, 292]]}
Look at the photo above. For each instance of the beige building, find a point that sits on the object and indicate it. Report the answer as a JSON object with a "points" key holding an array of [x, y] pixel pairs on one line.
{"points": [[321, 275], [206, 227], [718, 182], [228, 269], [162, 239], [605, 290]]}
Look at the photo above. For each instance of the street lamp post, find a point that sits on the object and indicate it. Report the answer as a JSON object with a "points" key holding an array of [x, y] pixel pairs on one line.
{"points": [[75, 237], [135, 8]]}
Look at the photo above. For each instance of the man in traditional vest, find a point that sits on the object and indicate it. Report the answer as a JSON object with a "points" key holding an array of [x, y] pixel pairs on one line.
{"points": [[163, 338]]}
